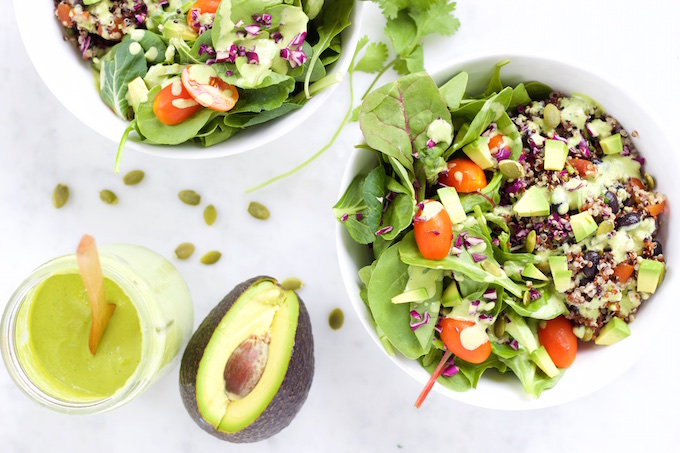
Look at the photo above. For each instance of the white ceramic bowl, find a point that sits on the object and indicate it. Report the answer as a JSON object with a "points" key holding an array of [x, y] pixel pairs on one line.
{"points": [[70, 80], [594, 366]]}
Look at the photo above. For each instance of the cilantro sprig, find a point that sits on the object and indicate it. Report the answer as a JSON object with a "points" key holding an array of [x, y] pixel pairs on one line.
{"points": [[408, 22]]}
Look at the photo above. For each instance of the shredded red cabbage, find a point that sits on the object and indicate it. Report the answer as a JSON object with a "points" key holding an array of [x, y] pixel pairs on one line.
{"points": [[490, 294], [344, 217], [384, 230], [425, 320], [478, 257]]}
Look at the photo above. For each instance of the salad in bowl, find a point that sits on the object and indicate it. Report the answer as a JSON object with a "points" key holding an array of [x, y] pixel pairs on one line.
{"points": [[506, 230], [250, 65]]}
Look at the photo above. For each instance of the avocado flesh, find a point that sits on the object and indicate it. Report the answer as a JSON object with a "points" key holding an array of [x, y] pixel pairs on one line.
{"points": [[261, 310]]}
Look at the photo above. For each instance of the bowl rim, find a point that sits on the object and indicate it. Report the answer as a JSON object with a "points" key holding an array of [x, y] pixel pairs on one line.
{"points": [[440, 74], [263, 134]]}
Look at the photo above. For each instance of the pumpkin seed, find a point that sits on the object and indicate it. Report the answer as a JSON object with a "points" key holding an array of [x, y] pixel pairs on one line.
{"points": [[527, 298], [60, 195], [133, 177], [336, 319], [650, 181], [605, 227], [491, 268], [210, 214], [499, 326], [184, 250], [211, 257], [292, 284], [190, 197], [257, 210], [551, 116], [511, 169], [108, 197], [531, 241]]}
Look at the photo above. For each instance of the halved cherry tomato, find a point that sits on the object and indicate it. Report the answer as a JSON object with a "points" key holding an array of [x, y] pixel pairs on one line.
{"points": [[623, 272], [434, 234], [450, 335], [64, 14], [206, 88], [170, 112], [656, 209], [463, 175], [637, 183], [201, 7], [496, 141], [584, 167], [559, 340]]}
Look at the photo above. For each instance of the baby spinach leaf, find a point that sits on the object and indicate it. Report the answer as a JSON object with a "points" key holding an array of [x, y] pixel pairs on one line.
{"points": [[389, 203], [150, 40], [120, 68], [463, 263], [206, 39], [550, 305], [454, 90], [491, 110], [300, 72], [395, 118], [519, 97], [509, 130], [495, 85], [431, 306], [152, 129], [350, 204], [269, 95], [219, 135], [388, 280], [243, 120], [537, 91], [334, 18], [534, 381], [470, 200], [474, 371], [312, 7]]}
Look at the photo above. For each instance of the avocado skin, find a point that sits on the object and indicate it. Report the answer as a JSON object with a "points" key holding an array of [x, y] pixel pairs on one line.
{"points": [[294, 388]]}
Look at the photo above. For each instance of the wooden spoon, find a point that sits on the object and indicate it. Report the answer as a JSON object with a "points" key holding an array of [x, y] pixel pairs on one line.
{"points": [[93, 278]]}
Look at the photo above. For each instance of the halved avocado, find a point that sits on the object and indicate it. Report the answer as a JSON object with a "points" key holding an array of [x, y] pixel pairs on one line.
{"points": [[248, 368]]}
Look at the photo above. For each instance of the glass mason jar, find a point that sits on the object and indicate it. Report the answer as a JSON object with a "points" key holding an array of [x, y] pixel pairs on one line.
{"points": [[163, 304]]}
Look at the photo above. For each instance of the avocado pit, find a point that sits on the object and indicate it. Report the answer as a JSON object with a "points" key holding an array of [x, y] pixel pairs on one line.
{"points": [[246, 366]]}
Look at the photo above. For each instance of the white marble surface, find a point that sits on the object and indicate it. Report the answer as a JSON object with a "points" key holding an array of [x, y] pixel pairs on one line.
{"points": [[359, 400]]}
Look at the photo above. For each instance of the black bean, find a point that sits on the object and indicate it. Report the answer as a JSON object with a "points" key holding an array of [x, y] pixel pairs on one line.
{"points": [[613, 202], [592, 260], [629, 201], [657, 248], [628, 219]]}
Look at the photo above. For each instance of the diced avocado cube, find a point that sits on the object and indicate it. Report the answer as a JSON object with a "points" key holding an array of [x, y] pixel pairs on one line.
{"points": [[562, 280], [137, 93], [531, 271], [649, 275], [613, 332], [533, 203], [555, 155], [414, 295], [557, 263], [583, 225], [541, 358], [451, 201], [479, 152], [451, 296], [520, 331], [176, 29], [612, 144]]}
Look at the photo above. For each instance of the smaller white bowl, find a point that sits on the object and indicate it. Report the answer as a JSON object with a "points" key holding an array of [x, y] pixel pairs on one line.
{"points": [[594, 366], [70, 79]]}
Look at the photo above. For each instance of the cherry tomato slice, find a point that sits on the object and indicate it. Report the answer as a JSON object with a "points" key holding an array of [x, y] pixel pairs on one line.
{"points": [[173, 104], [450, 335], [201, 7], [559, 340], [496, 141], [433, 230], [584, 167], [463, 175], [206, 88], [64, 14]]}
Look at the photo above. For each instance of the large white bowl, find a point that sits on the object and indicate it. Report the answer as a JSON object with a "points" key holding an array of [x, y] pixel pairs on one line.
{"points": [[70, 79], [594, 366]]}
